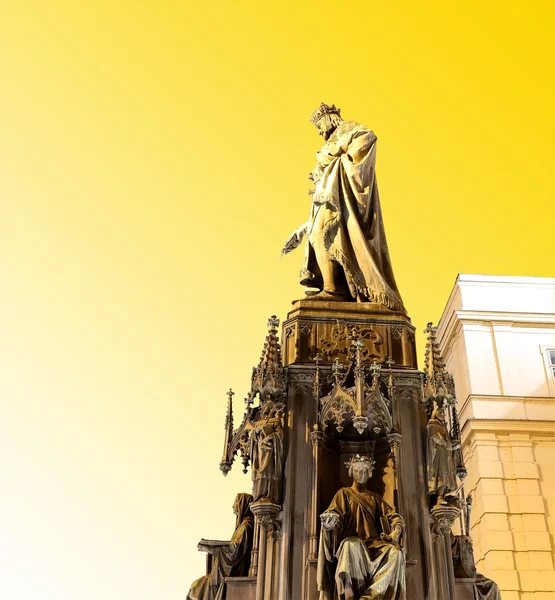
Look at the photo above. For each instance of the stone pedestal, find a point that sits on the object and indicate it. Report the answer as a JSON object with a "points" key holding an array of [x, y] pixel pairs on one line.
{"points": [[350, 387], [314, 468], [241, 588], [322, 327]]}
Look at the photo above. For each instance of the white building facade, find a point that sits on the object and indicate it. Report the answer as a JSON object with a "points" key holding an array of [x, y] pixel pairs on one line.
{"points": [[497, 335]]}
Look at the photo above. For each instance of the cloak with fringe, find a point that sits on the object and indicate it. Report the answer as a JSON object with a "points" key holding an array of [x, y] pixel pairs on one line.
{"points": [[346, 212]]}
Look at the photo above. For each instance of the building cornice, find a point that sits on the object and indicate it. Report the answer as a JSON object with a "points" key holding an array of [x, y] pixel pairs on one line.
{"points": [[510, 425], [449, 330], [450, 315]]}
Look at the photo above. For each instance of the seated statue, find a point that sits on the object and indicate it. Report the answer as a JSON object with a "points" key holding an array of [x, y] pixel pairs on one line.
{"points": [[360, 555], [464, 567], [229, 559]]}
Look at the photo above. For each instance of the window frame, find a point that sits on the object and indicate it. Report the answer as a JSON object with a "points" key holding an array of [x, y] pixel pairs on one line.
{"points": [[548, 353]]}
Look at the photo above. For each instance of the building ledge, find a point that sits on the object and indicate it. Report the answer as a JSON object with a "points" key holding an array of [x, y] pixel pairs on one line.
{"points": [[517, 408]]}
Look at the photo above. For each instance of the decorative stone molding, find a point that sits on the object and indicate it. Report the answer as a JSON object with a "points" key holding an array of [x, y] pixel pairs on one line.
{"points": [[316, 438], [394, 440], [267, 515], [410, 381], [442, 518]]}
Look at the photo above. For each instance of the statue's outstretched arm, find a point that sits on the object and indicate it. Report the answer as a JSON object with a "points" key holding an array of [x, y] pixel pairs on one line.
{"points": [[295, 239]]}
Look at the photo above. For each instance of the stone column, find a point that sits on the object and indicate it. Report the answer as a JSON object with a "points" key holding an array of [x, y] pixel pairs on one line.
{"points": [[442, 518], [394, 441], [253, 571], [268, 528], [316, 441]]}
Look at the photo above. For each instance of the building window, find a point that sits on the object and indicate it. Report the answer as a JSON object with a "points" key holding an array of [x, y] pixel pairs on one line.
{"points": [[549, 362]]}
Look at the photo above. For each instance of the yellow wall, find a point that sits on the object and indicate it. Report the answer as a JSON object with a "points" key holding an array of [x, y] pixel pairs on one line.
{"points": [[153, 160], [511, 481]]}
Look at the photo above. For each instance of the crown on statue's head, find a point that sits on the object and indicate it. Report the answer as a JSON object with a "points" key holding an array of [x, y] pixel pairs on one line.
{"points": [[323, 110], [369, 461]]}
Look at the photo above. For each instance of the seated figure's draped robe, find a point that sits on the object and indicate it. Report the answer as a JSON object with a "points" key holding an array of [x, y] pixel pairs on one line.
{"points": [[440, 463], [346, 212], [232, 560], [352, 555], [463, 562]]}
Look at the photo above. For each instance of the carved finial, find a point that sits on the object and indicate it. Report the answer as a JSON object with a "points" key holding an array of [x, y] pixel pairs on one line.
{"points": [[337, 369], [229, 414], [359, 345], [273, 323], [225, 464], [375, 368], [390, 382], [352, 335]]}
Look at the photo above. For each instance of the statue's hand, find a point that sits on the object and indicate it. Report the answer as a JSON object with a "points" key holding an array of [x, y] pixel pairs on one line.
{"points": [[329, 520], [393, 538], [294, 240]]}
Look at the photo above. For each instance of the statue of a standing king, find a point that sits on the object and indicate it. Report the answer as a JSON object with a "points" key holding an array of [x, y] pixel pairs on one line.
{"points": [[346, 255]]}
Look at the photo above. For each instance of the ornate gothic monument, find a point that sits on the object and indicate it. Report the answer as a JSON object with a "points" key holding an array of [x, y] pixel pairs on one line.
{"points": [[354, 454]]}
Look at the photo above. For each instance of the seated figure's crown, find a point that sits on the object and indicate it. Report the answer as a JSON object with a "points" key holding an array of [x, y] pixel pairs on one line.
{"points": [[324, 109], [360, 459]]}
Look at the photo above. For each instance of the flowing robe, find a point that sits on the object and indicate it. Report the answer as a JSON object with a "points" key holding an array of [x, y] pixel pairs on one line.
{"points": [[232, 560], [267, 459], [367, 567], [440, 463], [463, 562], [346, 214]]}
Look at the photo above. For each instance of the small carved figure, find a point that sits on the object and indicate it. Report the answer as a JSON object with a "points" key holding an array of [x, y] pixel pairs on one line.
{"points": [[228, 559], [440, 464], [360, 554], [346, 255], [267, 454]]}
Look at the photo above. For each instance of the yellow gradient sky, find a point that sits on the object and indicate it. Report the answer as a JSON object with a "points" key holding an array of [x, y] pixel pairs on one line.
{"points": [[154, 157]]}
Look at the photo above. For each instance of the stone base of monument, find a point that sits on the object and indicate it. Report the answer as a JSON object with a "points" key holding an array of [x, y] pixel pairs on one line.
{"points": [[241, 588], [318, 326]]}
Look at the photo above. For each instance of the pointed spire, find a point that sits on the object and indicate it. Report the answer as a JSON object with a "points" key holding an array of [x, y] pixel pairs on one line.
{"points": [[437, 382], [268, 378], [225, 464]]}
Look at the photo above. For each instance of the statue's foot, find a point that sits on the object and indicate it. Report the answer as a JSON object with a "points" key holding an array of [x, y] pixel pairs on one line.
{"points": [[310, 293], [327, 295]]}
